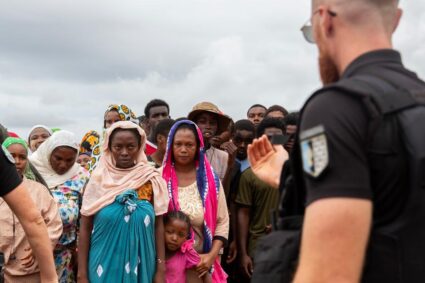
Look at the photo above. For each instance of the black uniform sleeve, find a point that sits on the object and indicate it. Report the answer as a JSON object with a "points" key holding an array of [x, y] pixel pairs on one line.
{"points": [[345, 123], [9, 177]]}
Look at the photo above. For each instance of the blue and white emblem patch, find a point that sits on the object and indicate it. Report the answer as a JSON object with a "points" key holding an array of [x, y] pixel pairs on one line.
{"points": [[8, 155], [314, 149]]}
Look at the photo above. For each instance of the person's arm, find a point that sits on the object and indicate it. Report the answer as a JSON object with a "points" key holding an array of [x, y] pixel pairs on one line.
{"points": [[35, 229], [267, 160], [233, 246], [242, 236], [86, 226], [230, 148], [160, 249], [335, 236], [50, 213]]}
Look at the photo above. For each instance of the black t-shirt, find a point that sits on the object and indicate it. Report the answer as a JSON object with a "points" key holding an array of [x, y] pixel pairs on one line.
{"points": [[334, 145], [9, 177]]}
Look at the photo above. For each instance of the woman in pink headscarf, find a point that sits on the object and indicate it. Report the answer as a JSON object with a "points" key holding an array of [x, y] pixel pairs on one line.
{"points": [[196, 190]]}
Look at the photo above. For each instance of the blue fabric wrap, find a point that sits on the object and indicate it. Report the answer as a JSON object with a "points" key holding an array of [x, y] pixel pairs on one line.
{"points": [[123, 241]]}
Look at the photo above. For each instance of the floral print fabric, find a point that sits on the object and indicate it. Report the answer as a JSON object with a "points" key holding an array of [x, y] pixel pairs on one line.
{"points": [[68, 197]]}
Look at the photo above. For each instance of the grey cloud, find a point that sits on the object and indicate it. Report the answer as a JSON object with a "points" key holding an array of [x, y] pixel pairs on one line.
{"points": [[62, 63]]}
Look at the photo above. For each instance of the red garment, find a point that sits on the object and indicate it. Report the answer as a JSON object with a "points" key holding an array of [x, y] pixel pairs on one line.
{"points": [[150, 148], [12, 134]]}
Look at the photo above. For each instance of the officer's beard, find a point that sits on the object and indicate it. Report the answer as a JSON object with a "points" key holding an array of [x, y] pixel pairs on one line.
{"points": [[328, 69]]}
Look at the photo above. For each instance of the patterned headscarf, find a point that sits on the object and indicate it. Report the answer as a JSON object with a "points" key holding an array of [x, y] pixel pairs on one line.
{"points": [[10, 141], [207, 181], [125, 113], [89, 142]]}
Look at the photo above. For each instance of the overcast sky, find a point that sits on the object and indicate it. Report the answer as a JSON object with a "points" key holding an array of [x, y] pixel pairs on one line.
{"points": [[63, 62]]}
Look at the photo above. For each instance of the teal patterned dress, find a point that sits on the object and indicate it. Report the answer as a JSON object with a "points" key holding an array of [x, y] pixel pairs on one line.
{"points": [[122, 245]]}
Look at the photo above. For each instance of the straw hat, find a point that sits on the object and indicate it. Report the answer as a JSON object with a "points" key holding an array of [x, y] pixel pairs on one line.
{"points": [[223, 120]]}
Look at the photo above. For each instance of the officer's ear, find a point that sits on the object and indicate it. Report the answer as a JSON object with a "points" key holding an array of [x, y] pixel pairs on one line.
{"points": [[326, 21]]}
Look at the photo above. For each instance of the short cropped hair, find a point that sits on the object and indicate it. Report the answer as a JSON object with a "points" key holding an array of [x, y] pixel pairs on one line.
{"points": [[269, 122], [279, 108], [244, 124], [155, 103], [256, 105]]}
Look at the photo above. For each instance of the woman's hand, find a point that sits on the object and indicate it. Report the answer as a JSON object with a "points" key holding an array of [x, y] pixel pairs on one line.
{"points": [[28, 260], [207, 260]]}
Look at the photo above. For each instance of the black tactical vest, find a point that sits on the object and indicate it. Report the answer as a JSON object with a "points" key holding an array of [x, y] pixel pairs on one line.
{"points": [[396, 104]]}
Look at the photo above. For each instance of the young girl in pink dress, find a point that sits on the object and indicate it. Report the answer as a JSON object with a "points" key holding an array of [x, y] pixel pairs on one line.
{"points": [[179, 252]]}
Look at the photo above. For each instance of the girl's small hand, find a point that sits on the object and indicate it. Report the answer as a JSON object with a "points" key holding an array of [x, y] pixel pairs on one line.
{"points": [[207, 260]]}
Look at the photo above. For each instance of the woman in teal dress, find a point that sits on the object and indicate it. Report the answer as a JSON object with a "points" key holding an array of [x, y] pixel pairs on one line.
{"points": [[121, 233]]}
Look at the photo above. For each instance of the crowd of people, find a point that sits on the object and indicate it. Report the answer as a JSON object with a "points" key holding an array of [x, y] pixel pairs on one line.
{"points": [[337, 196], [150, 198]]}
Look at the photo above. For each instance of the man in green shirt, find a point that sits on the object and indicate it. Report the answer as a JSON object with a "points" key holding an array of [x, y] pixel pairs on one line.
{"points": [[256, 201]]}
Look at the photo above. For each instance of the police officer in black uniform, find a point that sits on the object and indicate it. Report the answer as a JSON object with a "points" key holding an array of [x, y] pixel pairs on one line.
{"points": [[354, 186], [16, 196]]}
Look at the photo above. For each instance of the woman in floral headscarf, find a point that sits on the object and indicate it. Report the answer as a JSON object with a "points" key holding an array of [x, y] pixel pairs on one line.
{"points": [[90, 140], [196, 190], [114, 113], [122, 234]]}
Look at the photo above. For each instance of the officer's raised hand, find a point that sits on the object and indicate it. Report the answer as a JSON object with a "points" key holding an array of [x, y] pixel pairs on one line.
{"points": [[267, 160]]}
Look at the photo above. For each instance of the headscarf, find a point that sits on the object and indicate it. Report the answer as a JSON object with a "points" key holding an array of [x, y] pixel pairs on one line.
{"points": [[28, 173], [12, 140], [41, 158], [36, 127], [108, 181], [208, 185], [125, 113], [13, 134], [89, 142]]}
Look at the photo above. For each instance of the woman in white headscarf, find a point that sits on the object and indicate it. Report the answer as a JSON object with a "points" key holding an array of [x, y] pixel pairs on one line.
{"points": [[55, 160], [37, 135]]}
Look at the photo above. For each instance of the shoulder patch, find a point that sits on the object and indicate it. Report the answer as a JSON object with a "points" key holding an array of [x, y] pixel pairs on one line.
{"points": [[314, 149], [8, 155]]}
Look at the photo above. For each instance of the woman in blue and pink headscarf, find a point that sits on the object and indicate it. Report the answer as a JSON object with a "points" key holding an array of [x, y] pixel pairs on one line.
{"points": [[196, 190]]}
